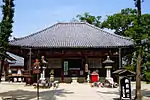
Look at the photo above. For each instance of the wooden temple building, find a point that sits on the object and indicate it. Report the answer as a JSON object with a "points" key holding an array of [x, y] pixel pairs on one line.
{"points": [[13, 67], [72, 49]]}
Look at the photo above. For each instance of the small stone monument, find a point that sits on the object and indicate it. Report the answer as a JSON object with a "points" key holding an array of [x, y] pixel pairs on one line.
{"points": [[74, 80], [125, 92]]}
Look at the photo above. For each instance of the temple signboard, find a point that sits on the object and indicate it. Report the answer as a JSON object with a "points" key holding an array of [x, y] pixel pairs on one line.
{"points": [[65, 67], [125, 92]]}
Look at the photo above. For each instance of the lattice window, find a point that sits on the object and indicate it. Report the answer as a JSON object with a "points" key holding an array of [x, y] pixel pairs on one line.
{"points": [[54, 63], [94, 63]]}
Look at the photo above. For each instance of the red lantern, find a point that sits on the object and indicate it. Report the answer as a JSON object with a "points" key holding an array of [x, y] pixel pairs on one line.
{"points": [[36, 67]]}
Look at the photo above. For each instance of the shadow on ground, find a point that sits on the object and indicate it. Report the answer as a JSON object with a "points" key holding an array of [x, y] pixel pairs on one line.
{"points": [[27, 95], [145, 92], [62, 92], [109, 92]]}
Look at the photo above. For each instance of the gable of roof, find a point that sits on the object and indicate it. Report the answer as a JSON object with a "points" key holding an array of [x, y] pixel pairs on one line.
{"points": [[72, 35]]}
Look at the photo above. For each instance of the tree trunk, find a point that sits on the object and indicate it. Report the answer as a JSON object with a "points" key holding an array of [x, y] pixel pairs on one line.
{"points": [[138, 78], [139, 59], [1, 68]]}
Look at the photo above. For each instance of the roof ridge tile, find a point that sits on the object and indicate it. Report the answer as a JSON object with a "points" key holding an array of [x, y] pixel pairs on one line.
{"points": [[71, 22]]}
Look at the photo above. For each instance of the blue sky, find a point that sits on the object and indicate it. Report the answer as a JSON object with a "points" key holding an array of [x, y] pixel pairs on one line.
{"points": [[34, 15]]}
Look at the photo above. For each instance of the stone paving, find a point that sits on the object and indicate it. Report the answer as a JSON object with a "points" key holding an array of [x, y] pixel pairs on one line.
{"points": [[22, 92], [76, 92], [65, 92], [79, 91]]}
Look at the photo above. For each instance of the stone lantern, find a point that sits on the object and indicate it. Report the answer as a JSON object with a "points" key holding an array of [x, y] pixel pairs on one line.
{"points": [[44, 64], [108, 65]]}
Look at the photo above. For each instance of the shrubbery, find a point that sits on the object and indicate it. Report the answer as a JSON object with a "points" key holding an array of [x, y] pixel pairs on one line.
{"points": [[147, 76], [130, 67], [67, 79], [81, 79]]}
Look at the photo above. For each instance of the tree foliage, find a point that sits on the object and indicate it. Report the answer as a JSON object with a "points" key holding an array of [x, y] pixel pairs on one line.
{"points": [[5, 29], [128, 23], [120, 22], [6, 24], [86, 17]]}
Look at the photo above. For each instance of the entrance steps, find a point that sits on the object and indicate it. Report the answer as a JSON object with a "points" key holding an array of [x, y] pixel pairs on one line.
{"points": [[74, 80]]}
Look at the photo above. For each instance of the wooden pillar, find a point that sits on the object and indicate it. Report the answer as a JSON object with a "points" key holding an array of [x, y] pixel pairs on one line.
{"points": [[30, 55], [86, 59], [86, 62], [62, 63], [120, 58], [25, 63]]}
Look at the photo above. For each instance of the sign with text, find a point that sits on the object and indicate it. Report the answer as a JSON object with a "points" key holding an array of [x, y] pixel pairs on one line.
{"points": [[65, 67], [125, 92]]}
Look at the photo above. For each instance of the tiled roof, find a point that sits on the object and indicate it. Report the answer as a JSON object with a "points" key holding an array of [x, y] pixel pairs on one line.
{"points": [[123, 71], [19, 61], [72, 35]]}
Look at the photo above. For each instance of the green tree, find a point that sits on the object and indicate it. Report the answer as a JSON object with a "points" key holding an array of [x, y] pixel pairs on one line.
{"points": [[126, 24], [131, 23], [6, 29], [120, 22], [86, 17], [139, 47]]}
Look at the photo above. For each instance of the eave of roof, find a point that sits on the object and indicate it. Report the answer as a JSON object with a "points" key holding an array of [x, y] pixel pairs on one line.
{"points": [[123, 71], [19, 61]]}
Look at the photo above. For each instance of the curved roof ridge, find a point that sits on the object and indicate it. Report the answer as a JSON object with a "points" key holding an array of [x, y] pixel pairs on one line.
{"points": [[108, 32], [71, 23], [35, 32]]}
